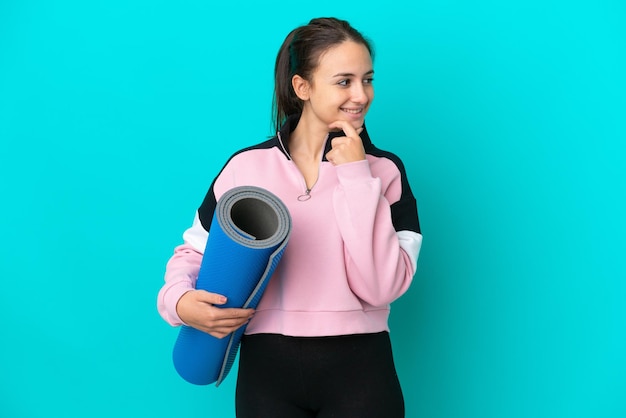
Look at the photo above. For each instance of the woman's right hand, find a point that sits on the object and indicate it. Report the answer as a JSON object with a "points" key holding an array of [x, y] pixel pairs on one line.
{"points": [[197, 309]]}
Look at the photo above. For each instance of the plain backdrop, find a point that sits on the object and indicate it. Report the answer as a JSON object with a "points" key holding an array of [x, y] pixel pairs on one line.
{"points": [[510, 117]]}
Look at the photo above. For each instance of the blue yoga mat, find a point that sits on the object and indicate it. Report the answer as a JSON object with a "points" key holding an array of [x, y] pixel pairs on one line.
{"points": [[248, 234]]}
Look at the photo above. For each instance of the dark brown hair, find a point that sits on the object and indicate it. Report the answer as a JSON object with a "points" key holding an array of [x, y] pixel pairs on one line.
{"points": [[300, 54]]}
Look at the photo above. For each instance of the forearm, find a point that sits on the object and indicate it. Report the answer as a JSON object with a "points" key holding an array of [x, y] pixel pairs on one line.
{"points": [[380, 261], [181, 274]]}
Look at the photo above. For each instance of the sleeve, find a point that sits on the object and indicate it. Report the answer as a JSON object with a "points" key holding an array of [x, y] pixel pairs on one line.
{"points": [[181, 272], [382, 240]]}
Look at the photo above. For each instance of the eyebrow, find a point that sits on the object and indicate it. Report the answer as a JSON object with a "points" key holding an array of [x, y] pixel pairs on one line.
{"points": [[370, 72]]}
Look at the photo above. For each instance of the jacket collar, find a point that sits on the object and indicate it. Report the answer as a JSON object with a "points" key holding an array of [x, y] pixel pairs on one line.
{"points": [[290, 125]]}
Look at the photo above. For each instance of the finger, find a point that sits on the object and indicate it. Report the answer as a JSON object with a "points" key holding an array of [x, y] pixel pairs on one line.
{"points": [[218, 335], [232, 313], [217, 332], [212, 298], [346, 127], [340, 140], [226, 324], [220, 331]]}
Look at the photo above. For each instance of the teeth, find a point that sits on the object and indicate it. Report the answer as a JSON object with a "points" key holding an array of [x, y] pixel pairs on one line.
{"points": [[353, 111]]}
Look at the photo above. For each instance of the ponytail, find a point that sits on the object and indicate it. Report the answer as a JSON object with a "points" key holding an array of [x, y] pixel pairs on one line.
{"points": [[285, 101]]}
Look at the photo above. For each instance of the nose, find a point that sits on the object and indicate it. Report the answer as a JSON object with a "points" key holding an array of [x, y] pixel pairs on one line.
{"points": [[358, 94]]}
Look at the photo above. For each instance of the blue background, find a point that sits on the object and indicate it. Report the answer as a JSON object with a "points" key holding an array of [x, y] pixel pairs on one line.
{"points": [[510, 116]]}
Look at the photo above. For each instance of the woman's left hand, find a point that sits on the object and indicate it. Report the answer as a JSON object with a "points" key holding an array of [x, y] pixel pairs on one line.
{"points": [[348, 148]]}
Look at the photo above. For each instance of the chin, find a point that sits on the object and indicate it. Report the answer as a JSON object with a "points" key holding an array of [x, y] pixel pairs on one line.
{"points": [[355, 122]]}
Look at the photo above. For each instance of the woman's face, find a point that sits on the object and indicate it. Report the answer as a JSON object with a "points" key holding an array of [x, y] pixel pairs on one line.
{"points": [[341, 86]]}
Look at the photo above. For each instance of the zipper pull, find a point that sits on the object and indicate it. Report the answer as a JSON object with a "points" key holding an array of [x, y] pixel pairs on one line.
{"points": [[306, 196]]}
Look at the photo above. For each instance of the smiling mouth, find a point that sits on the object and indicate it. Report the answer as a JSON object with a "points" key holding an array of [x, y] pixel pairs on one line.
{"points": [[353, 111]]}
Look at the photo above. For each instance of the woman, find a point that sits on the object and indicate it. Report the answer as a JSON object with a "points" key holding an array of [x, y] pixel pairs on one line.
{"points": [[318, 343]]}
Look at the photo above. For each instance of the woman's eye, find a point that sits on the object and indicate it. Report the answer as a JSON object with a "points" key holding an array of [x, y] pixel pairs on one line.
{"points": [[344, 83], [368, 81]]}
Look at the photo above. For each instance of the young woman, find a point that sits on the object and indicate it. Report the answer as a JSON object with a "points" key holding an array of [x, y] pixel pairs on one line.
{"points": [[318, 343]]}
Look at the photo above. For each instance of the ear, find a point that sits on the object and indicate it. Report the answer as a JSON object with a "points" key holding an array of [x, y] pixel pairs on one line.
{"points": [[301, 87]]}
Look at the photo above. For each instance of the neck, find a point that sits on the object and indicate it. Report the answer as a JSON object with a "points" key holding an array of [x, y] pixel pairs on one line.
{"points": [[308, 139]]}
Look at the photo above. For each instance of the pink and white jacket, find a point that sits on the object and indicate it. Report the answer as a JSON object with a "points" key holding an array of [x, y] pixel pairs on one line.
{"points": [[353, 248]]}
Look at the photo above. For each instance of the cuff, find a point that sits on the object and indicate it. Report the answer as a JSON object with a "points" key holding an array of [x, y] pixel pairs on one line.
{"points": [[170, 300]]}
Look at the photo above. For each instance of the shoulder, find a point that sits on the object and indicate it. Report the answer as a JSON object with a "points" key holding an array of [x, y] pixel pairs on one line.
{"points": [[378, 153], [254, 154], [381, 157], [251, 166], [386, 164], [268, 144]]}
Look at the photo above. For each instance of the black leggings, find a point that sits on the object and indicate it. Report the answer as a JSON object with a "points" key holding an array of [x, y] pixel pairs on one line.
{"points": [[291, 377]]}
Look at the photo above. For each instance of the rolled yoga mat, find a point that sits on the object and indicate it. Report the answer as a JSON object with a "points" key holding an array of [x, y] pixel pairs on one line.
{"points": [[248, 234]]}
